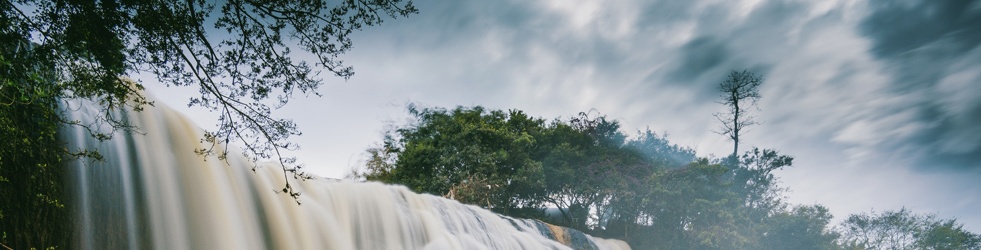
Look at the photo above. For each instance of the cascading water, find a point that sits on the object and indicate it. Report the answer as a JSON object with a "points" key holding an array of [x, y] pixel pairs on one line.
{"points": [[151, 191]]}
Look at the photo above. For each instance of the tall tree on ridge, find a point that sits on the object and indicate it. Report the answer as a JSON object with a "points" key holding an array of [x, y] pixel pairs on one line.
{"points": [[740, 92]]}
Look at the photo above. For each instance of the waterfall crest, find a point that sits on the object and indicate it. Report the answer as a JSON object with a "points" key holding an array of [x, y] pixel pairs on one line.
{"points": [[151, 191]]}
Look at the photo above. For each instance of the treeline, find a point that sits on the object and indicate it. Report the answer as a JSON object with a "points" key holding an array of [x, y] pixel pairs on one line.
{"points": [[585, 173]]}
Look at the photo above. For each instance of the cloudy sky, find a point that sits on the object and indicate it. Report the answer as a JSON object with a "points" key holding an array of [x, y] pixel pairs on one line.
{"points": [[878, 101]]}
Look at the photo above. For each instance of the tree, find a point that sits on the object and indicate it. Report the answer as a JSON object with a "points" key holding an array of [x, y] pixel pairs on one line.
{"points": [[236, 52], [32, 201], [238, 65], [740, 92], [500, 160], [905, 230], [693, 208], [644, 190], [593, 177], [660, 151], [754, 183], [804, 227], [947, 234], [472, 155]]}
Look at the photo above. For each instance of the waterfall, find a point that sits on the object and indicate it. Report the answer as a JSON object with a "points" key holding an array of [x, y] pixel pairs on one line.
{"points": [[151, 191]]}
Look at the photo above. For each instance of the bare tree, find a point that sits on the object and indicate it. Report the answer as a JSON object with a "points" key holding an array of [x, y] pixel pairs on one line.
{"points": [[740, 92]]}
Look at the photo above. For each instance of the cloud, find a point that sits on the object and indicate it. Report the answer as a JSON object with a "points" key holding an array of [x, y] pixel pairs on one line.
{"points": [[898, 27], [697, 57], [932, 50]]}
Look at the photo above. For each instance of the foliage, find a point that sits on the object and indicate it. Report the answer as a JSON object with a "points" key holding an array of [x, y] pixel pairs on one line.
{"points": [[754, 183], [690, 208], [905, 230], [464, 153], [237, 52], [32, 200], [589, 168], [740, 92], [660, 151], [947, 234], [804, 227], [642, 189]]}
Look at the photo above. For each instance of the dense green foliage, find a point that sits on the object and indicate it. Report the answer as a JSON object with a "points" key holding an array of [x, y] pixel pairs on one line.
{"points": [[642, 188], [32, 201], [482, 158]]}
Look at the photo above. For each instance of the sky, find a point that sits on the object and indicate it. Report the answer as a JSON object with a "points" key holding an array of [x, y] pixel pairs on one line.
{"points": [[878, 101]]}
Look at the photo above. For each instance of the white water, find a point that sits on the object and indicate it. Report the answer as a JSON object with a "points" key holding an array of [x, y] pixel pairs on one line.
{"points": [[153, 192]]}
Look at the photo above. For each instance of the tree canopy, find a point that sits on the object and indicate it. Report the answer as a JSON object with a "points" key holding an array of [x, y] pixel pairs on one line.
{"points": [[247, 58], [238, 53], [904, 229], [640, 188], [583, 172]]}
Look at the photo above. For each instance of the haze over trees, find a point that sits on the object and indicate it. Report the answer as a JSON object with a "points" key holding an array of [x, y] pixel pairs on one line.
{"points": [[639, 188], [905, 230], [241, 54]]}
